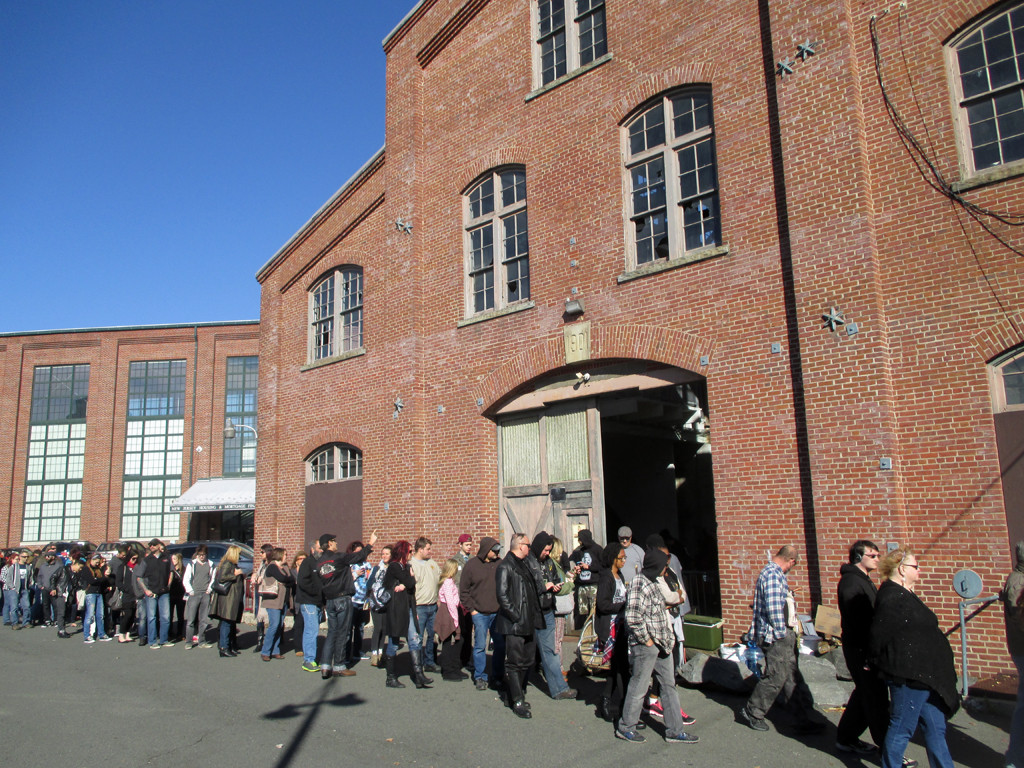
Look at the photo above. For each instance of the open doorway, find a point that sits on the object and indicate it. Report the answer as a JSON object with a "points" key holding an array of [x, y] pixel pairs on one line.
{"points": [[656, 455]]}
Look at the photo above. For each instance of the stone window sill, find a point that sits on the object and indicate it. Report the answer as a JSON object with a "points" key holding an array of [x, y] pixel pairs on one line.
{"points": [[989, 176], [654, 267], [492, 314], [336, 359], [567, 77]]}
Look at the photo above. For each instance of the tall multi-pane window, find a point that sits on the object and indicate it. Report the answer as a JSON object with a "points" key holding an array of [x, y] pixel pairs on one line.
{"points": [[673, 183], [495, 211], [989, 66], [153, 448], [56, 453], [334, 462], [336, 314], [569, 34], [240, 407]]}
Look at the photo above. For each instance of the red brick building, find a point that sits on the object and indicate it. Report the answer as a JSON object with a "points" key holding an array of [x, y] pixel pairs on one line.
{"points": [[103, 429], [625, 262]]}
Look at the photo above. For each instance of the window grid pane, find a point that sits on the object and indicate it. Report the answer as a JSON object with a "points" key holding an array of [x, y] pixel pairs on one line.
{"points": [[323, 319], [551, 37], [351, 320], [240, 407], [590, 23], [154, 443], [56, 450]]}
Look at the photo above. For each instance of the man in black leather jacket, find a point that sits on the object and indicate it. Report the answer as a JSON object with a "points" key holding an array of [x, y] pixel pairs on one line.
{"points": [[518, 588]]}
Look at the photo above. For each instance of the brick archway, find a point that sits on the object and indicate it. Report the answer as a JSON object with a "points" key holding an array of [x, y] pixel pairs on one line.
{"points": [[631, 342]]}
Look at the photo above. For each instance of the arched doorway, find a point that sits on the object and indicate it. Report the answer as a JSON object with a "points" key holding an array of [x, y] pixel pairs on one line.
{"points": [[612, 443]]}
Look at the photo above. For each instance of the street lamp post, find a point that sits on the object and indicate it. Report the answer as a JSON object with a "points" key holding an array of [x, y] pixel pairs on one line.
{"points": [[229, 430]]}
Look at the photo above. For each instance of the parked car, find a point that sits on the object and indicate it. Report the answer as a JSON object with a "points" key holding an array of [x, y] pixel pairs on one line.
{"points": [[216, 550], [109, 548], [63, 547]]}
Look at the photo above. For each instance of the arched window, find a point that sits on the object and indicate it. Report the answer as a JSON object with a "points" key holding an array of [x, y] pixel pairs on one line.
{"points": [[672, 177], [336, 314], [495, 212], [988, 66], [1008, 383], [334, 462]]}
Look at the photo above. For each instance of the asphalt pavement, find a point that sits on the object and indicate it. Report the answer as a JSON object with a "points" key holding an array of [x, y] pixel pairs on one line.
{"points": [[63, 702]]}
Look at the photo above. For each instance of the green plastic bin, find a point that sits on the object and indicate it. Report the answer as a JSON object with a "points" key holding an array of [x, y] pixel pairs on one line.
{"points": [[703, 632]]}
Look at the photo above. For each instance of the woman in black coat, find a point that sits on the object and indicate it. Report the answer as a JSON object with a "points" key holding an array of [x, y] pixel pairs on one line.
{"points": [[911, 653], [228, 608], [611, 600], [400, 612]]}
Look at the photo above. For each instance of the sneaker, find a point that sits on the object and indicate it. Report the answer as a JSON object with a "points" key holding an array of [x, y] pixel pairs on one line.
{"points": [[345, 673], [681, 738], [155, 646], [310, 667], [481, 684], [757, 723], [106, 639], [63, 635], [858, 747], [189, 646], [631, 736], [654, 709], [908, 763], [687, 719], [195, 639], [89, 640], [207, 645], [168, 644]]}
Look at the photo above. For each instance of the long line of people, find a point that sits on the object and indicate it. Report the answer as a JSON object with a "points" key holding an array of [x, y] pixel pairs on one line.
{"points": [[516, 606]]}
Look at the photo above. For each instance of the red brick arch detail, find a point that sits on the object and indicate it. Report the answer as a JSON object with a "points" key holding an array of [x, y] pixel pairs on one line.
{"points": [[325, 436], [630, 342], [472, 169], [956, 16], [673, 77], [337, 260], [999, 338]]}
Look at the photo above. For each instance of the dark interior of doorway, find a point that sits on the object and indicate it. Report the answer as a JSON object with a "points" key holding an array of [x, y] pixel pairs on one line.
{"points": [[657, 479], [218, 526]]}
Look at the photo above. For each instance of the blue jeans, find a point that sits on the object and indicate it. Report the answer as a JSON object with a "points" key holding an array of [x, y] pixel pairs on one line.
{"points": [[426, 614], [310, 630], [648, 661], [93, 611], [14, 600], [140, 616], [227, 630], [339, 630], [158, 604], [482, 624], [1015, 752], [550, 658], [272, 638], [910, 706]]}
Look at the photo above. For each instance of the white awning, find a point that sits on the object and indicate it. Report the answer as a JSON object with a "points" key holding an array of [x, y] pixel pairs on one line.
{"points": [[215, 494]]}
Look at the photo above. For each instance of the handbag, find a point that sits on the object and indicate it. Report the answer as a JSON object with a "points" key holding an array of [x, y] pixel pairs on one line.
{"points": [[115, 600], [270, 587], [80, 599], [564, 604], [219, 586]]}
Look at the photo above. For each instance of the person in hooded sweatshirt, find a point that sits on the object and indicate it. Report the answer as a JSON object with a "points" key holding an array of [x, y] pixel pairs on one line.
{"points": [[478, 595], [868, 705], [651, 640], [586, 561], [1013, 614]]}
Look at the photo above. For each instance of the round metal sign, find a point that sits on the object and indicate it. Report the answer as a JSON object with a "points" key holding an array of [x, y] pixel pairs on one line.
{"points": [[967, 584]]}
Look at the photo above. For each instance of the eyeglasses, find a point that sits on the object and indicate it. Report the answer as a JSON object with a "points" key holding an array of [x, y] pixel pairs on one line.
{"points": [[912, 565], [873, 557]]}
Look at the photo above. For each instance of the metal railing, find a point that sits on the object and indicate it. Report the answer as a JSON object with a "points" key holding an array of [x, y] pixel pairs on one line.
{"points": [[703, 590]]}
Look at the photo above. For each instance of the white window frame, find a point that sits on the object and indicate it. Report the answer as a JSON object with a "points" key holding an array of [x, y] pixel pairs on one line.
{"points": [[997, 381], [574, 25], [339, 460], [675, 204], [344, 318], [500, 266], [960, 103]]}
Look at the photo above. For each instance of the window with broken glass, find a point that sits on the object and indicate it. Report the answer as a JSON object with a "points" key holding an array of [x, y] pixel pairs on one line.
{"points": [[672, 178], [495, 211]]}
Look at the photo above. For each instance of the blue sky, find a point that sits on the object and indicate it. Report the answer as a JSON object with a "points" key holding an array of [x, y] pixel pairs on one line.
{"points": [[155, 154]]}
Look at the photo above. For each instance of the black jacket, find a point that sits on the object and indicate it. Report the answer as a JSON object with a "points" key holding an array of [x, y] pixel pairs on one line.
{"points": [[856, 593], [590, 553], [518, 588], [397, 613], [908, 646], [335, 574], [158, 573], [308, 588], [606, 605]]}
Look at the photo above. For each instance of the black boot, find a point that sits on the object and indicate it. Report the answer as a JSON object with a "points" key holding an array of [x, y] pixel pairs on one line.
{"points": [[260, 634], [393, 681], [418, 677], [605, 710], [516, 702]]}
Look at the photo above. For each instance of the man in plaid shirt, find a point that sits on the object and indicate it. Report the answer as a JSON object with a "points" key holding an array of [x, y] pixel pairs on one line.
{"points": [[771, 631], [651, 640]]}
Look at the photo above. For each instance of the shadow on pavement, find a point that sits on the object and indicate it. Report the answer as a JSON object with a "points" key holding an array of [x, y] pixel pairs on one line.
{"points": [[313, 709]]}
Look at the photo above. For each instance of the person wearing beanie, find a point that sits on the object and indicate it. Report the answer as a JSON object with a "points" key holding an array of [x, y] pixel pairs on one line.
{"points": [[477, 595], [540, 560], [651, 640]]}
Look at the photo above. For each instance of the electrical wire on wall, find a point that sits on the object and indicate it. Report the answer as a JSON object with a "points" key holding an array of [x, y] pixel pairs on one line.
{"points": [[924, 161]]}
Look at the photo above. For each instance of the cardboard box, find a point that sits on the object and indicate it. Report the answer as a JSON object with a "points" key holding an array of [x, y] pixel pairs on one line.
{"points": [[703, 632], [827, 621]]}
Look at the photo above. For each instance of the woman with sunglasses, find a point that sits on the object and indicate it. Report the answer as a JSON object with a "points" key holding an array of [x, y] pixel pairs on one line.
{"points": [[913, 656]]}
